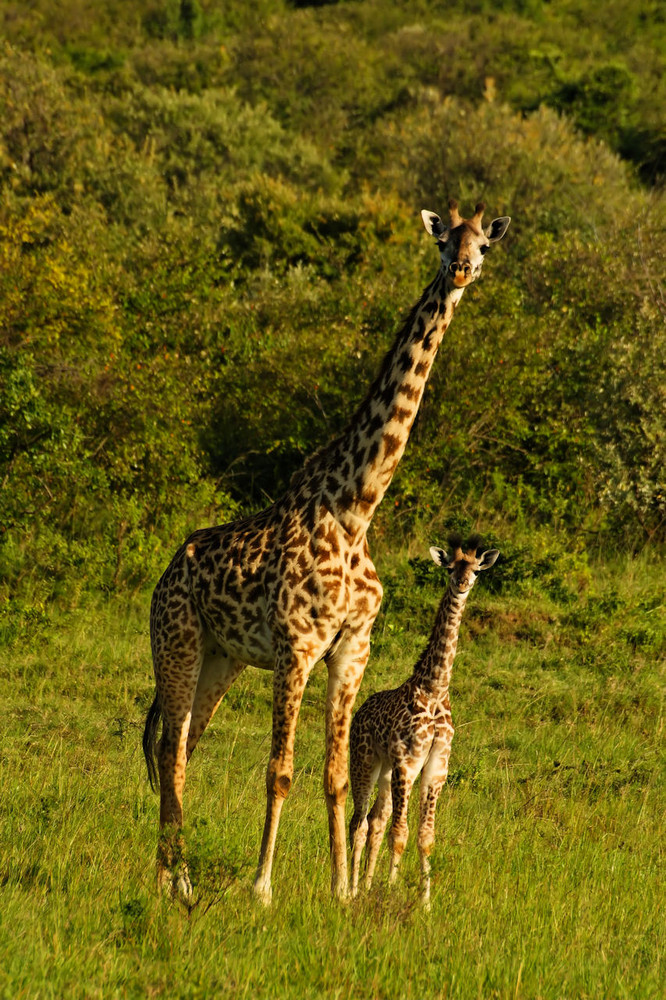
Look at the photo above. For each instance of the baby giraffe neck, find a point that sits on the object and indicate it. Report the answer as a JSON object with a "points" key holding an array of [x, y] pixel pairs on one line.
{"points": [[433, 671]]}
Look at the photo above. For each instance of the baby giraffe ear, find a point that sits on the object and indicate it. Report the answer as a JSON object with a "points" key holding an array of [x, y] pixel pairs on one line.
{"points": [[497, 228], [434, 225], [439, 556], [489, 558]]}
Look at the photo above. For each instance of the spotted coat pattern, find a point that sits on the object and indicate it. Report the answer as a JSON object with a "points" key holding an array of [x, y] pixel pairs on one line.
{"points": [[397, 735], [295, 584]]}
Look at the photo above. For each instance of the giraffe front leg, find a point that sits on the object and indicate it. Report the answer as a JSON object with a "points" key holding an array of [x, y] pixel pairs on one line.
{"points": [[429, 798], [290, 678], [377, 820], [401, 788], [345, 673], [432, 781]]}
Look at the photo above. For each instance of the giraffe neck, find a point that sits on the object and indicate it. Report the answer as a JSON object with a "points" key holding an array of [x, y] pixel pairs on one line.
{"points": [[433, 670], [356, 469]]}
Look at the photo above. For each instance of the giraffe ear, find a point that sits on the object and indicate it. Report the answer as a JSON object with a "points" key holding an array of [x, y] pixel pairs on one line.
{"points": [[488, 559], [439, 556], [434, 225], [497, 228]]}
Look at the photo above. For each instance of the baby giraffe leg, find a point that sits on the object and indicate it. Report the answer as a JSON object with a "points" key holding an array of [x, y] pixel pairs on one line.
{"points": [[364, 773], [401, 787], [377, 820], [359, 838], [429, 798], [432, 782]]}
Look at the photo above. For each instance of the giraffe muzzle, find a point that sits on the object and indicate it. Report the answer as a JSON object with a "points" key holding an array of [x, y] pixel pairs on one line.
{"points": [[461, 273]]}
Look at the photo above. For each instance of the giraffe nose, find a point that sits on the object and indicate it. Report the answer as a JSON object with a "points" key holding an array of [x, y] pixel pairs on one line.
{"points": [[464, 270], [461, 273]]}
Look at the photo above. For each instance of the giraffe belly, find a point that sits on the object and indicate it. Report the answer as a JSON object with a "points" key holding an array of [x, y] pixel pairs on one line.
{"points": [[247, 640], [253, 641]]}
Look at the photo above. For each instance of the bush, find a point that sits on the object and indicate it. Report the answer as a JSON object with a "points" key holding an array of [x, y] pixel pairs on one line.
{"points": [[209, 234]]}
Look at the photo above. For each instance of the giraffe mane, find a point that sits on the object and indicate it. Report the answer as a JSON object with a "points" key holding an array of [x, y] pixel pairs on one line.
{"points": [[329, 448], [306, 466], [455, 543], [474, 543]]}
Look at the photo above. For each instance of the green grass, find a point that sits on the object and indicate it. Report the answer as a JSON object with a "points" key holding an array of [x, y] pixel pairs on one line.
{"points": [[550, 831]]}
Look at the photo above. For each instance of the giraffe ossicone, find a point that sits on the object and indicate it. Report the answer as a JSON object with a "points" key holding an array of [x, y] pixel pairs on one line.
{"points": [[295, 584], [398, 734]]}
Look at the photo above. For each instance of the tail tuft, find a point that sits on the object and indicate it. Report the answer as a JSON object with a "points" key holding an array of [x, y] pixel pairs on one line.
{"points": [[149, 739]]}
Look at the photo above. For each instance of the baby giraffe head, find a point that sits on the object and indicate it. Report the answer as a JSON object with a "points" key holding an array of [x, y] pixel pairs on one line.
{"points": [[464, 564], [464, 242]]}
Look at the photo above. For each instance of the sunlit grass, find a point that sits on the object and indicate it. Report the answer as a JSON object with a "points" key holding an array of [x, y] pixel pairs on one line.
{"points": [[546, 869]]}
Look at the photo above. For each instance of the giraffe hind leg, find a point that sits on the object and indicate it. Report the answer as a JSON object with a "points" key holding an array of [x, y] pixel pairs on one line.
{"points": [[217, 674], [364, 775], [177, 657], [172, 873]]}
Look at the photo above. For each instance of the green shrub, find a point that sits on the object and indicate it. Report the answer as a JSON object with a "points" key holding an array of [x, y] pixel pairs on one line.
{"points": [[209, 234]]}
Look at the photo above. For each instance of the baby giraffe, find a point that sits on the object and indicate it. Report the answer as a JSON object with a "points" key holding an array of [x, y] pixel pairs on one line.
{"points": [[397, 734]]}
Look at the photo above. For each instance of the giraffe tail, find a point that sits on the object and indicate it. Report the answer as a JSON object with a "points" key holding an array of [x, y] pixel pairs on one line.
{"points": [[149, 738]]}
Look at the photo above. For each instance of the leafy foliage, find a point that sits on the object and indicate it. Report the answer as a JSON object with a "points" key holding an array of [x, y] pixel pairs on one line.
{"points": [[209, 232]]}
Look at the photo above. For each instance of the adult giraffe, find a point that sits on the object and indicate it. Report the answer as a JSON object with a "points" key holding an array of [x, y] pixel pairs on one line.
{"points": [[295, 584]]}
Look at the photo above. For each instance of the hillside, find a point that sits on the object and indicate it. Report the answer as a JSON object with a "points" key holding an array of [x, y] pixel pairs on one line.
{"points": [[210, 230]]}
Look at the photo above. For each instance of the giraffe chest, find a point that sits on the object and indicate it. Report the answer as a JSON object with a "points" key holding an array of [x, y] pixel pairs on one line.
{"points": [[407, 725], [314, 593], [292, 582]]}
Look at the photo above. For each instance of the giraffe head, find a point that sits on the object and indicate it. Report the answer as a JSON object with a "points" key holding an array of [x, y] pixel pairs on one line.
{"points": [[463, 243], [464, 563]]}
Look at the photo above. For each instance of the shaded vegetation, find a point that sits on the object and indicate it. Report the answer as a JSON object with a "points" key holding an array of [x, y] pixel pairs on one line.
{"points": [[209, 232]]}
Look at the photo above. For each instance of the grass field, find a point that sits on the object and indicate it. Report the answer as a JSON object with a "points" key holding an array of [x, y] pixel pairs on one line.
{"points": [[548, 867]]}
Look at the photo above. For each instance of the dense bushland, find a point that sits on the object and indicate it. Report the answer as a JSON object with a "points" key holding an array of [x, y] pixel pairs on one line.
{"points": [[210, 230]]}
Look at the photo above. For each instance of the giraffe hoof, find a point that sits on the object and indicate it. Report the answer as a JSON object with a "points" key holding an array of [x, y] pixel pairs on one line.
{"points": [[342, 894], [176, 886], [263, 893], [181, 889]]}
